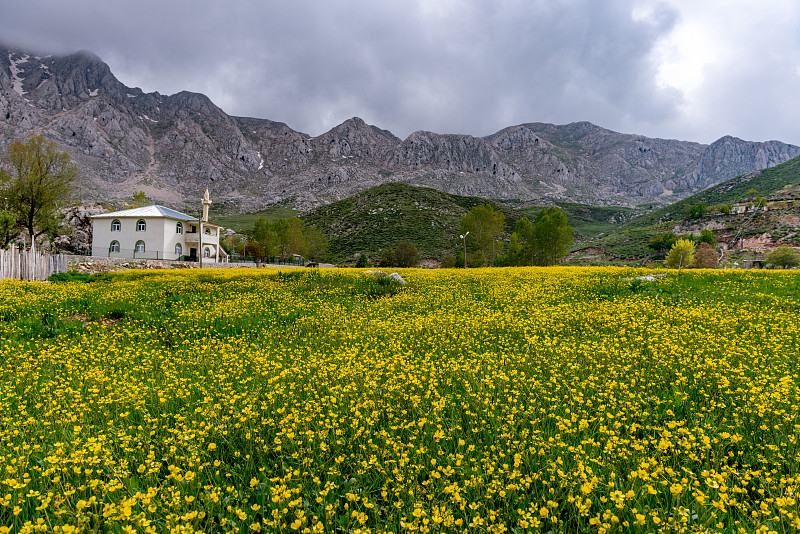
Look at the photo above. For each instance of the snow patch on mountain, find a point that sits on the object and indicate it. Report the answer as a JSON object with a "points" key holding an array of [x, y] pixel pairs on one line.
{"points": [[15, 71]]}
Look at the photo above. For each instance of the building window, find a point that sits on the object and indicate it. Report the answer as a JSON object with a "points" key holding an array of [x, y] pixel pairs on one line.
{"points": [[139, 246], [178, 249], [114, 246], [179, 228], [141, 226], [208, 231], [207, 252], [116, 226]]}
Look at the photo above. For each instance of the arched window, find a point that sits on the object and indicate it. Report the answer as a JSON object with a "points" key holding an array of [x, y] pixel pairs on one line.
{"points": [[179, 228], [178, 248], [141, 226], [207, 252], [208, 231], [114, 246], [139, 246], [116, 226]]}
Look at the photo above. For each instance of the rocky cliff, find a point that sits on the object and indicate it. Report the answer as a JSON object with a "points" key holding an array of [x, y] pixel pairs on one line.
{"points": [[173, 147]]}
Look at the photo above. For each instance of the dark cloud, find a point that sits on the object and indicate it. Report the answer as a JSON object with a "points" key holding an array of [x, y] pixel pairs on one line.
{"points": [[449, 66]]}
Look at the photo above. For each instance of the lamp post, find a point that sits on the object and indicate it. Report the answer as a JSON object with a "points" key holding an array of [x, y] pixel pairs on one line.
{"points": [[464, 237]]}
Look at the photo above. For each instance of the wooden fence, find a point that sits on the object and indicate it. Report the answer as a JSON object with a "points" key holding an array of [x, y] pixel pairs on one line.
{"points": [[29, 265]]}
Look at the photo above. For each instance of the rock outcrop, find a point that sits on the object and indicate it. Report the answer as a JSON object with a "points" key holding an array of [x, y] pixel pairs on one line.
{"points": [[173, 147]]}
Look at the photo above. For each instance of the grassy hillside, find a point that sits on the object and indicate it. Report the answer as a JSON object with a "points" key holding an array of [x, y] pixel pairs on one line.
{"points": [[631, 239], [383, 216], [588, 221], [243, 222]]}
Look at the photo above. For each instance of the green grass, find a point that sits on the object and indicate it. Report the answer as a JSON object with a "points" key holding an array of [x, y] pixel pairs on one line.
{"points": [[513, 400]]}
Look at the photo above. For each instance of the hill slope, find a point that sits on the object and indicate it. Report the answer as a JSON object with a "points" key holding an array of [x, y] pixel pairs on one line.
{"points": [[382, 216], [173, 147], [630, 240]]}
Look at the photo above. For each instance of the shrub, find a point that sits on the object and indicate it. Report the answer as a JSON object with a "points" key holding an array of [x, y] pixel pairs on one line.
{"points": [[387, 258], [476, 259]]}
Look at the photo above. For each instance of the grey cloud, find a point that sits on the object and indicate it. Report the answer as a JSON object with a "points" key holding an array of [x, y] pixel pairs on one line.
{"points": [[447, 66]]}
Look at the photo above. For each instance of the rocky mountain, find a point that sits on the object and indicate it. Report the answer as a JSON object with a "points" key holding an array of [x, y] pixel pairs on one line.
{"points": [[173, 147]]}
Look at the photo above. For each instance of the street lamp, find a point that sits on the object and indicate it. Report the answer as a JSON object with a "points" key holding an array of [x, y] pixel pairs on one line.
{"points": [[464, 237]]}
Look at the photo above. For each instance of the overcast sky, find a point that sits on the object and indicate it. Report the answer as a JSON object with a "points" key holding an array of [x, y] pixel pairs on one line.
{"points": [[685, 69]]}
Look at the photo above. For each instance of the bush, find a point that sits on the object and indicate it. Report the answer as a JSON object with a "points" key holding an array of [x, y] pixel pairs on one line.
{"points": [[449, 261], [783, 256], [74, 276], [387, 258], [476, 259], [362, 261]]}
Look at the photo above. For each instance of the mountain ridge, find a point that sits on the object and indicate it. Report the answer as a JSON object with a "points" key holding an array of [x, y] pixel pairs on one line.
{"points": [[174, 146]]}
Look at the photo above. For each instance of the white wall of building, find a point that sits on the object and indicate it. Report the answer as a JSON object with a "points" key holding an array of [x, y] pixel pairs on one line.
{"points": [[160, 237]]}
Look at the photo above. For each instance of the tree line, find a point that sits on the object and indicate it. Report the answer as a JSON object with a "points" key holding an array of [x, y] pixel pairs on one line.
{"points": [[281, 238], [540, 242]]}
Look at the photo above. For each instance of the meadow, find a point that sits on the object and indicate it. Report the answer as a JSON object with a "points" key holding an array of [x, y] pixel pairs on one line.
{"points": [[497, 400]]}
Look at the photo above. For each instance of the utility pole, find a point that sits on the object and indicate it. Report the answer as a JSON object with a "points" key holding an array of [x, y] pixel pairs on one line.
{"points": [[464, 237]]}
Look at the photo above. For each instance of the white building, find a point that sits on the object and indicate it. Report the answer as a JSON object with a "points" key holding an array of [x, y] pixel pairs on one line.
{"points": [[157, 233]]}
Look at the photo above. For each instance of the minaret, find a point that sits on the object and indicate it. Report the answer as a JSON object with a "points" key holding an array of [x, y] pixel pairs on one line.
{"points": [[206, 204]]}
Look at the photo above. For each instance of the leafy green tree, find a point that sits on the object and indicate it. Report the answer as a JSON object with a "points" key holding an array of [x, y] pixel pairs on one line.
{"points": [[37, 180], [297, 243], [281, 227], [783, 256], [662, 242], [8, 228], [265, 235], [696, 211], [316, 245], [387, 258], [476, 259], [362, 261], [681, 255], [406, 254], [705, 257], [485, 227], [707, 236], [552, 236], [525, 243]]}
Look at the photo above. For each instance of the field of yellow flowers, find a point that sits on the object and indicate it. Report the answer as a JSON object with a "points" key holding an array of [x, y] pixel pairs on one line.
{"points": [[498, 400]]}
